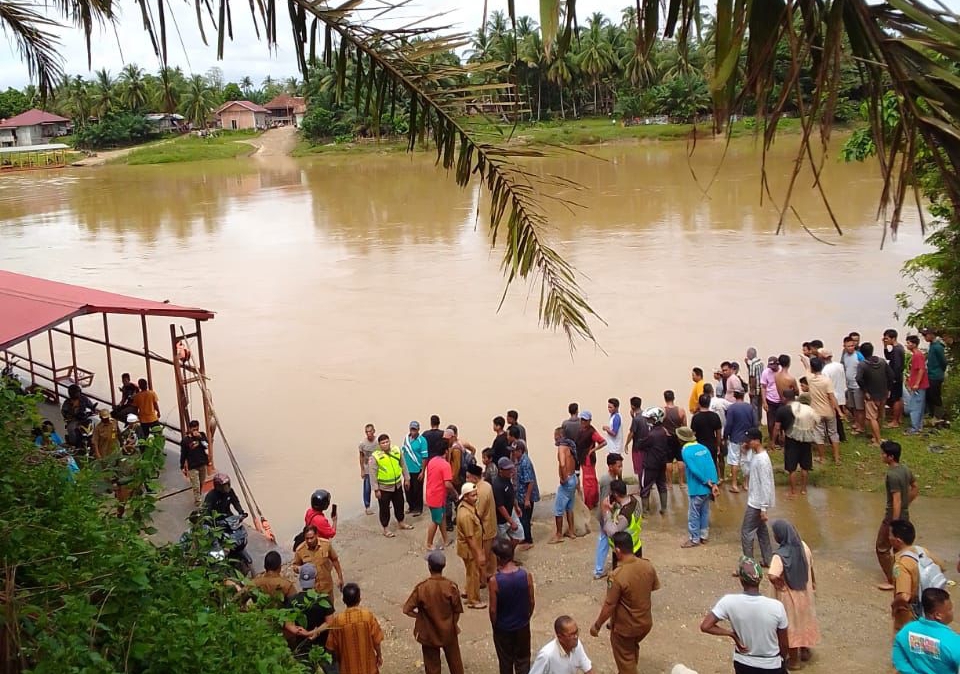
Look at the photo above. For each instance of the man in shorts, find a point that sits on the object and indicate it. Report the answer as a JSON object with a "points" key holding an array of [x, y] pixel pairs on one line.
{"points": [[823, 401], [875, 377], [850, 359], [798, 437], [567, 491]]}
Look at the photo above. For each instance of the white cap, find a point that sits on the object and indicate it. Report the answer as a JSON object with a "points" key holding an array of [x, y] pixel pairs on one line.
{"points": [[132, 418], [467, 488]]}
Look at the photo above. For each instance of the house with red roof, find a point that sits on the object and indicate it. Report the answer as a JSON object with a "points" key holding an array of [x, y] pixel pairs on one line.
{"points": [[33, 127], [242, 115], [287, 109]]}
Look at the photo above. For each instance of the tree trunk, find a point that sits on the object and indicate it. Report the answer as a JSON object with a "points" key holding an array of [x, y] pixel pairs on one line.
{"points": [[563, 113], [595, 87], [539, 94]]}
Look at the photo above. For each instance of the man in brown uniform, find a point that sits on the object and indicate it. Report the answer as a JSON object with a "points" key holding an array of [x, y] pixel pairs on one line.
{"points": [[470, 543], [319, 552], [435, 603], [487, 510], [270, 582], [106, 436], [628, 604], [906, 571]]}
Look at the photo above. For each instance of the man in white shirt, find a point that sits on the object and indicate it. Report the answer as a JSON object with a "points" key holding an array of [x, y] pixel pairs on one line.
{"points": [[614, 431], [838, 377], [759, 624], [565, 654], [761, 496]]}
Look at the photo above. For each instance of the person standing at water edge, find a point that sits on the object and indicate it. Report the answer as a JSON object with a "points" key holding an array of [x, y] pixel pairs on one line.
{"points": [[770, 394], [505, 496], [388, 476], [355, 636], [512, 601], [936, 372], [696, 374], [367, 447], [414, 455], [512, 422], [797, 422], [528, 491], [501, 442], [567, 491], [824, 403], [701, 486], [638, 431], [589, 442], [791, 573], [565, 654], [673, 418], [918, 382], [470, 543], [761, 497], [571, 425], [874, 376], [627, 604], [850, 359], [783, 377], [759, 624], [657, 453], [708, 427], [614, 430], [928, 645], [740, 419], [896, 356], [487, 512], [435, 603], [438, 484], [901, 489], [838, 378], [754, 373]]}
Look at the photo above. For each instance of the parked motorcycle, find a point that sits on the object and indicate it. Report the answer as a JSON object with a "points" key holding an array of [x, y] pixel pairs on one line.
{"points": [[225, 540]]}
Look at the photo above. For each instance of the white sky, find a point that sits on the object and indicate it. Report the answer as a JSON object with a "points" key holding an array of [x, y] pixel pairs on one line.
{"points": [[245, 55]]}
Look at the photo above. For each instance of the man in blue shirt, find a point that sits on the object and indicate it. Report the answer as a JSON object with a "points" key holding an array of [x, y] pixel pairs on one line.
{"points": [[739, 420], [928, 645], [415, 455], [701, 486]]}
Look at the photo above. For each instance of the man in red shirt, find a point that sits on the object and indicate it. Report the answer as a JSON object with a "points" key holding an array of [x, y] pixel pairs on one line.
{"points": [[437, 485], [917, 384]]}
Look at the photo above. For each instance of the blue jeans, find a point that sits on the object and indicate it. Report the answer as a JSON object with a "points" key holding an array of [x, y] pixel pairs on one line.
{"points": [[603, 549], [914, 404], [698, 518], [366, 492]]}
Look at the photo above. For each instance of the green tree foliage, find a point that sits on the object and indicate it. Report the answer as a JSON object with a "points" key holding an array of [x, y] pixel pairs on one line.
{"points": [[85, 591], [114, 130], [13, 102]]}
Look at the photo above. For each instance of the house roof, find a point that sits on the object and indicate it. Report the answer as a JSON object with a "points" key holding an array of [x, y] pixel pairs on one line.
{"points": [[252, 107], [31, 305], [286, 101], [32, 118]]}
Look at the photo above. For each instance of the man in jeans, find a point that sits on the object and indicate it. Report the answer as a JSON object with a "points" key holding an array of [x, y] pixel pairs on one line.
{"points": [[511, 605], [936, 372], [701, 485], [918, 382], [761, 496]]}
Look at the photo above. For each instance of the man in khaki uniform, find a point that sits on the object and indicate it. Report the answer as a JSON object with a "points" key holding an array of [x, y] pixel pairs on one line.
{"points": [[106, 436], [906, 572], [270, 582], [470, 543], [629, 587], [319, 552], [487, 510], [435, 603]]}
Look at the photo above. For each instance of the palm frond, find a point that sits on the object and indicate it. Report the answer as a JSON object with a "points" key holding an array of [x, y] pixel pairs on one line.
{"points": [[38, 47]]}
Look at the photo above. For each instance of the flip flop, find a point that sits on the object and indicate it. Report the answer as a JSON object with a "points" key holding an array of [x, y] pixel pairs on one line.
{"points": [[477, 606], [406, 527], [734, 490], [389, 534]]}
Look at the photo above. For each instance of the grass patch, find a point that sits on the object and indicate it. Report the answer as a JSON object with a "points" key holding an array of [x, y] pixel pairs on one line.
{"points": [[938, 474], [591, 131], [225, 145]]}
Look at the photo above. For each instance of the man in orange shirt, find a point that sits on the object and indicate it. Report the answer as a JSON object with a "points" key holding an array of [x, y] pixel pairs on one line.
{"points": [[355, 636], [148, 407]]}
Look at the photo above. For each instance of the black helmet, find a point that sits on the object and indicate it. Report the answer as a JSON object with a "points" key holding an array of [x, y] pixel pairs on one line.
{"points": [[320, 500]]}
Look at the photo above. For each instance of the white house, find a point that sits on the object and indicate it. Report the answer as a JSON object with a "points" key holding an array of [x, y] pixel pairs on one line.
{"points": [[33, 127]]}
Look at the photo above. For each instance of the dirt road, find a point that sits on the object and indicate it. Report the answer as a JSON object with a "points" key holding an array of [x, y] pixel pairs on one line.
{"points": [[278, 142]]}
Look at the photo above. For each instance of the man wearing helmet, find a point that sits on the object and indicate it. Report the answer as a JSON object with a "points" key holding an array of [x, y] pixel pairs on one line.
{"points": [[221, 498], [319, 502], [657, 452]]}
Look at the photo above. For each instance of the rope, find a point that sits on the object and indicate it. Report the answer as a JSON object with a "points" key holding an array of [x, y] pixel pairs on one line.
{"points": [[248, 497]]}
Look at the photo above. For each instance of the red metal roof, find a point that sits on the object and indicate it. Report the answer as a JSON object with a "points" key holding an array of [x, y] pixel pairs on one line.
{"points": [[252, 107], [31, 305], [287, 102], [32, 118]]}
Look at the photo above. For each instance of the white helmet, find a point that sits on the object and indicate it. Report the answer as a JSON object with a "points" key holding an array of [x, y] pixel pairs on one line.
{"points": [[654, 415]]}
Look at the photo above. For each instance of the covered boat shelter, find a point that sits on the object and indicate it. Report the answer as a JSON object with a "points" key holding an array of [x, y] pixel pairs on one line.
{"points": [[35, 311]]}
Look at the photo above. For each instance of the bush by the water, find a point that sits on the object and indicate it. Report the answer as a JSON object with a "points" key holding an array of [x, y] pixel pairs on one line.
{"points": [[85, 591], [114, 131]]}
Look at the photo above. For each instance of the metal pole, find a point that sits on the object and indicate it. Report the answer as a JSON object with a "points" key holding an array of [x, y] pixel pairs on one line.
{"points": [[53, 366], [146, 349], [33, 376], [178, 377], [73, 351], [207, 417], [106, 341]]}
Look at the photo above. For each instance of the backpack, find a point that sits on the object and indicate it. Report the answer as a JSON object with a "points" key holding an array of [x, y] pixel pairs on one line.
{"points": [[804, 423], [467, 459], [931, 575]]}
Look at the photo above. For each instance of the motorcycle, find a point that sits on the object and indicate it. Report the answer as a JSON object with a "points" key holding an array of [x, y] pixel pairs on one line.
{"points": [[79, 432], [226, 538]]}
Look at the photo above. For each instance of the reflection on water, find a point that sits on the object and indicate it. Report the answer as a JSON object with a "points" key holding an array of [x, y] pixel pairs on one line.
{"points": [[362, 289]]}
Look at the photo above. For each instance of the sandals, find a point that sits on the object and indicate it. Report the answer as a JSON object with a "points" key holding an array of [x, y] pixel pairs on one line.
{"points": [[477, 606], [690, 544], [404, 526], [389, 534]]}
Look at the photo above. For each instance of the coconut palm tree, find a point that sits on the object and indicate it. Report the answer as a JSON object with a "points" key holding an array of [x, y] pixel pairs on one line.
{"points": [[133, 88], [78, 102], [561, 72], [104, 93], [596, 56], [198, 101]]}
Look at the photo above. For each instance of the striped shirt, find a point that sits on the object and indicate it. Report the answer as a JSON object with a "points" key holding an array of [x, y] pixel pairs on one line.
{"points": [[755, 371], [353, 635]]}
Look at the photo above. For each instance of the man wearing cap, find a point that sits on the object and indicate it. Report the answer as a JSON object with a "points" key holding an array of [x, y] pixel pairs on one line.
{"points": [[487, 511], [589, 442], [319, 553], [627, 604], [316, 616], [106, 436], [759, 624], [528, 491], [761, 496], [194, 459], [470, 543], [505, 496], [130, 435], [701, 485], [414, 456], [435, 604]]}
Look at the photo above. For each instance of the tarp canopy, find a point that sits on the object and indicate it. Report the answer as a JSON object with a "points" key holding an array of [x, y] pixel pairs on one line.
{"points": [[31, 305]]}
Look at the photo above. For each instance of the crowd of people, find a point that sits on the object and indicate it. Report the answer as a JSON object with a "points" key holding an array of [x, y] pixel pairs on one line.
{"points": [[483, 500]]}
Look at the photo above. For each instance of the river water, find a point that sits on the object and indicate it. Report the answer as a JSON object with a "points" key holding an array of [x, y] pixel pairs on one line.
{"points": [[362, 289]]}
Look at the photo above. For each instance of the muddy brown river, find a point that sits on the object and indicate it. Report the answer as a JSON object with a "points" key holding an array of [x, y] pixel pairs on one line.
{"points": [[362, 289]]}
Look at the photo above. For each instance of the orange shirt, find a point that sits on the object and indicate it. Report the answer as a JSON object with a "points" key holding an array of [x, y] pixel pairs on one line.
{"points": [[353, 635], [146, 403]]}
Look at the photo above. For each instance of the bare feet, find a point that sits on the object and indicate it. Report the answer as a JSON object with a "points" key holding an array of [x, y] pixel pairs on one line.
{"points": [[570, 535], [524, 546], [734, 489], [555, 539]]}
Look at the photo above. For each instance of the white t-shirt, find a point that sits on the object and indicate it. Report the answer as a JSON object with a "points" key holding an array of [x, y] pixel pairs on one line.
{"points": [[838, 377], [720, 406], [552, 660], [755, 619], [615, 442]]}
